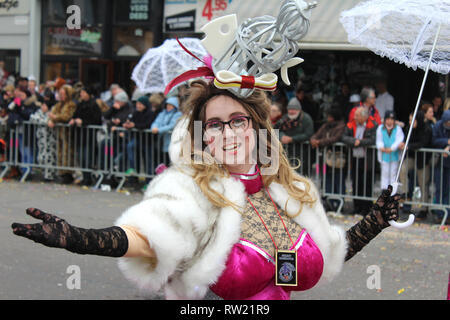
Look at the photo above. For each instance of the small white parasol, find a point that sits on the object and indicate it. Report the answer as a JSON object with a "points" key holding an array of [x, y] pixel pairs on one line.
{"points": [[158, 66]]}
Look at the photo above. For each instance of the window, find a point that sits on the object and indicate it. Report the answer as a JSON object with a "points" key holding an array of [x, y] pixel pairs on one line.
{"points": [[66, 70], [131, 41]]}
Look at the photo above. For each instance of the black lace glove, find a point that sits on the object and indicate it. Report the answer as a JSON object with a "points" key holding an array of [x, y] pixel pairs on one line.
{"points": [[56, 232], [384, 209]]}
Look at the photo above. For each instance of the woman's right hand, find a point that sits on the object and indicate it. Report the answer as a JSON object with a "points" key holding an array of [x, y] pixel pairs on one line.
{"points": [[51, 232], [57, 233]]}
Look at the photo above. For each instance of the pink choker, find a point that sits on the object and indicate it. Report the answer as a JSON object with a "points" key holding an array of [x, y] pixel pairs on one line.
{"points": [[252, 182]]}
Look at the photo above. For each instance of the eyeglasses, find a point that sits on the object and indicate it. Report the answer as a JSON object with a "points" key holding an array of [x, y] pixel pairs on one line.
{"points": [[237, 124]]}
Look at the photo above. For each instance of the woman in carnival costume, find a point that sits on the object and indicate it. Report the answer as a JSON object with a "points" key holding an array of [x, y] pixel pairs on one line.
{"points": [[230, 214]]}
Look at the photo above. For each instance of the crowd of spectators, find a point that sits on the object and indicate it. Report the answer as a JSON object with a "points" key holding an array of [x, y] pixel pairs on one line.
{"points": [[368, 119], [71, 126], [358, 120]]}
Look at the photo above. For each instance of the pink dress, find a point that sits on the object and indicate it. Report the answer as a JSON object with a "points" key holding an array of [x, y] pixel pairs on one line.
{"points": [[250, 270]]}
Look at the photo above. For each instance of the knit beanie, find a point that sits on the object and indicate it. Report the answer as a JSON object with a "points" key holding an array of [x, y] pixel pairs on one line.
{"points": [[145, 101], [294, 104]]}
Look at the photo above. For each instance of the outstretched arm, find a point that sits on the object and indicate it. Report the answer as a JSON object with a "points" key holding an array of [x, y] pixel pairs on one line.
{"points": [[56, 232], [385, 209]]}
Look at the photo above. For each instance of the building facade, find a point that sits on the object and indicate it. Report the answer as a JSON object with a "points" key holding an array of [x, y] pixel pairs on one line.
{"points": [[103, 45], [19, 36]]}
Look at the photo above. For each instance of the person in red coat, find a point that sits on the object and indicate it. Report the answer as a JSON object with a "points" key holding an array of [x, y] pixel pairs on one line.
{"points": [[368, 99]]}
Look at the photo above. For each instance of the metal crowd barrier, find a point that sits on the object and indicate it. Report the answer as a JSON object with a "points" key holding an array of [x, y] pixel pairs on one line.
{"points": [[91, 149], [340, 176], [104, 153]]}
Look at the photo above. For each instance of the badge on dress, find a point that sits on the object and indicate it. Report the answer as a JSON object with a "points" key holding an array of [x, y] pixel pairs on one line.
{"points": [[286, 268]]}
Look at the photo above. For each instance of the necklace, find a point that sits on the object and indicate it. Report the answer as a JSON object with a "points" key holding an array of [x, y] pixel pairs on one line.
{"points": [[285, 260]]}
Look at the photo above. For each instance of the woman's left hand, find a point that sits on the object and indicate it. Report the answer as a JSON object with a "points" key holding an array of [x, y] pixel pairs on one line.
{"points": [[386, 207]]}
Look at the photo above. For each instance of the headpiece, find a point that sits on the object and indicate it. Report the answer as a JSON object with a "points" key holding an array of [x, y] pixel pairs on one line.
{"points": [[243, 58]]}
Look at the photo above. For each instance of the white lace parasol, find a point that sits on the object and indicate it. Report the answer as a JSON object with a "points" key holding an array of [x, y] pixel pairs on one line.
{"points": [[158, 66], [402, 30]]}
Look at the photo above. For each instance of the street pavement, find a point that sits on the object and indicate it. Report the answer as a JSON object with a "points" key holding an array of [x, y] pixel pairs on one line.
{"points": [[405, 264]]}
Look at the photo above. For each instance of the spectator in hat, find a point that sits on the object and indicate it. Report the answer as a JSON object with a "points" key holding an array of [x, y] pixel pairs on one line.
{"points": [[22, 83], [296, 127], [141, 119], [163, 126], [115, 117], [88, 113], [389, 138], [119, 112], [307, 104], [109, 95]]}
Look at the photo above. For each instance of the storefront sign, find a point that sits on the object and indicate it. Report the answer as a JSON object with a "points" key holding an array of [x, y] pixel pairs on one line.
{"points": [[132, 10], [139, 10], [63, 41], [184, 21], [13, 7]]}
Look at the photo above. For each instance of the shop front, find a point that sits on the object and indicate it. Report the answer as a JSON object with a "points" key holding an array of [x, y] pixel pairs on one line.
{"points": [[112, 36]]}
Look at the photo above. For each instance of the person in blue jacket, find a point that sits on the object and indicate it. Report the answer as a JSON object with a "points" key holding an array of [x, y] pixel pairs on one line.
{"points": [[163, 126]]}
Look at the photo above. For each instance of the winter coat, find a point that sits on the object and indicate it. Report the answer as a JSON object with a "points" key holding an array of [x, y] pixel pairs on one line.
{"points": [[192, 238], [90, 114], [373, 112], [300, 129], [165, 122], [420, 138], [329, 133], [399, 137], [143, 119], [20, 111], [63, 111], [122, 114], [441, 135], [368, 139]]}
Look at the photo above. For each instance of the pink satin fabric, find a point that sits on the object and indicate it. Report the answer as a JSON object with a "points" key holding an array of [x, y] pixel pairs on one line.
{"points": [[250, 272]]}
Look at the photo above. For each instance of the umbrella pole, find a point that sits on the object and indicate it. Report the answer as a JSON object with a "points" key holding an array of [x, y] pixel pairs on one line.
{"points": [[417, 104], [395, 184]]}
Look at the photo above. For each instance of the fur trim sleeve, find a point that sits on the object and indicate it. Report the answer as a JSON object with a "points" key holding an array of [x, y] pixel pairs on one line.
{"points": [[170, 219]]}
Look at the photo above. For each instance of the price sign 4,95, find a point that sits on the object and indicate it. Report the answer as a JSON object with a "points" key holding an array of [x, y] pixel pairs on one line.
{"points": [[212, 6]]}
